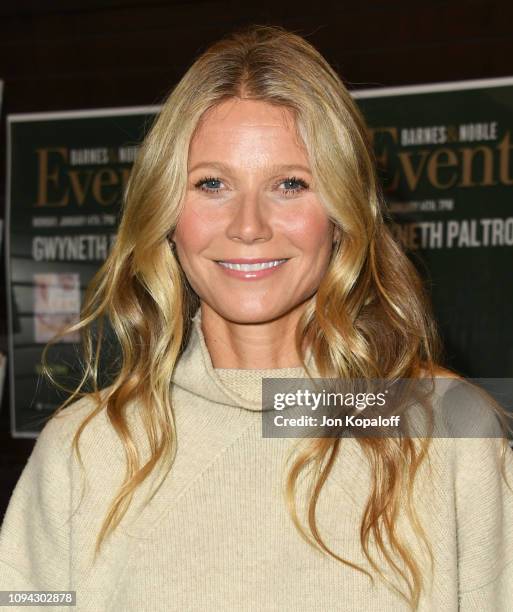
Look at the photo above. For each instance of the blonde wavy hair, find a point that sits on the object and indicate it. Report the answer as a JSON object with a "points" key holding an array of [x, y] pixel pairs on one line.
{"points": [[370, 317]]}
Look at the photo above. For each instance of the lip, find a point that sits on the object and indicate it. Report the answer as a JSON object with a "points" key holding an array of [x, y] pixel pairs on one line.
{"points": [[249, 274], [243, 260]]}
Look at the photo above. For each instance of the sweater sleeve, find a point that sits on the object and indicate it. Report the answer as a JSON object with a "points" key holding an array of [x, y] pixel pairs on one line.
{"points": [[34, 536], [484, 505]]}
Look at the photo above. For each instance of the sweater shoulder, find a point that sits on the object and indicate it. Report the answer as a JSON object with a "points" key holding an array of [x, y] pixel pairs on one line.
{"points": [[61, 428], [463, 409]]}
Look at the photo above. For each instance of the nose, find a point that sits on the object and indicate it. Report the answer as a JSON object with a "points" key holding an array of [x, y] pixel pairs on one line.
{"points": [[251, 220]]}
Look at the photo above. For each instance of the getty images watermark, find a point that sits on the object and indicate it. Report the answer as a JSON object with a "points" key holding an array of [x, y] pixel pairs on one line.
{"points": [[440, 407]]}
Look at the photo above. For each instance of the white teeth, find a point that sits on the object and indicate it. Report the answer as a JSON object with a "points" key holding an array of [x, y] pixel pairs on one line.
{"points": [[252, 267]]}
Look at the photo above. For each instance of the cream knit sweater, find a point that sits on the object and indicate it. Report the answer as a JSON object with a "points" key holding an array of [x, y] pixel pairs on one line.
{"points": [[217, 536]]}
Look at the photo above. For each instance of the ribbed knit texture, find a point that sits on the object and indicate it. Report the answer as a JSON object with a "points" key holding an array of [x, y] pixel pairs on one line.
{"points": [[217, 535]]}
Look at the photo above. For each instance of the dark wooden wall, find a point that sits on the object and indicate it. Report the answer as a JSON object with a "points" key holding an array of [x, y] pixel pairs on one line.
{"points": [[75, 54]]}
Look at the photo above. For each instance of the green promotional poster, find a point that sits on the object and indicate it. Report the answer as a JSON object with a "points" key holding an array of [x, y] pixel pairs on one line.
{"points": [[444, 154], [67, 172], [3, 357], [445, 158]]}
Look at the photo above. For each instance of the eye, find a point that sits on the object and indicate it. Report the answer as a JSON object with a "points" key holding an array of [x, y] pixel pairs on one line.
{"points": [[208, 184], [293, 185]]}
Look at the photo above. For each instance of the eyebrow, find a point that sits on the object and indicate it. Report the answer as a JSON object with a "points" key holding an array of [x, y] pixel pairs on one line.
{"points": [[228, 169]]}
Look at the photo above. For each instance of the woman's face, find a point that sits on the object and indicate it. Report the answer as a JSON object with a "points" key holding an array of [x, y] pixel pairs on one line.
{"points": [[250, 197]]}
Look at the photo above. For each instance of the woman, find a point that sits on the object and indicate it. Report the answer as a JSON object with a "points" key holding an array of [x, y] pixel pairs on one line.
{"points": [[253, 245]]}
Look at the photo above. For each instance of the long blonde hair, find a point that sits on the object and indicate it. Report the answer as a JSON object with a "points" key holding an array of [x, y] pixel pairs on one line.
{"points": [[370, 317]]}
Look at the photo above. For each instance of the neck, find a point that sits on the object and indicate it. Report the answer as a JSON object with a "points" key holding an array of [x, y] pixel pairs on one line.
{"points": [[246, 346]]}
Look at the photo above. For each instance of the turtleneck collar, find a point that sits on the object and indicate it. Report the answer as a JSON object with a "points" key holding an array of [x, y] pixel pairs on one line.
{"points": [[240, 388]]}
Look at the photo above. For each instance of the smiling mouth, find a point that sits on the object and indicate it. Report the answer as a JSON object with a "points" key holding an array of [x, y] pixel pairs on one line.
{"points": [[254, 267]]}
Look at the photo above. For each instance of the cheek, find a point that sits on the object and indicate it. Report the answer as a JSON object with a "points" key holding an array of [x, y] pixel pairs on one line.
{"points": [[193, 231], [311, 231]]}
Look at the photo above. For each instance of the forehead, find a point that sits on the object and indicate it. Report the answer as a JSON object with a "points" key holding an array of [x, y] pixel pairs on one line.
{"points": [[237, 125], [248, 112]]}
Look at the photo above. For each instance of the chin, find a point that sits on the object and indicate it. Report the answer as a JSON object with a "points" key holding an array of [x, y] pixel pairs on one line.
{"points": [[251, 316]]}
